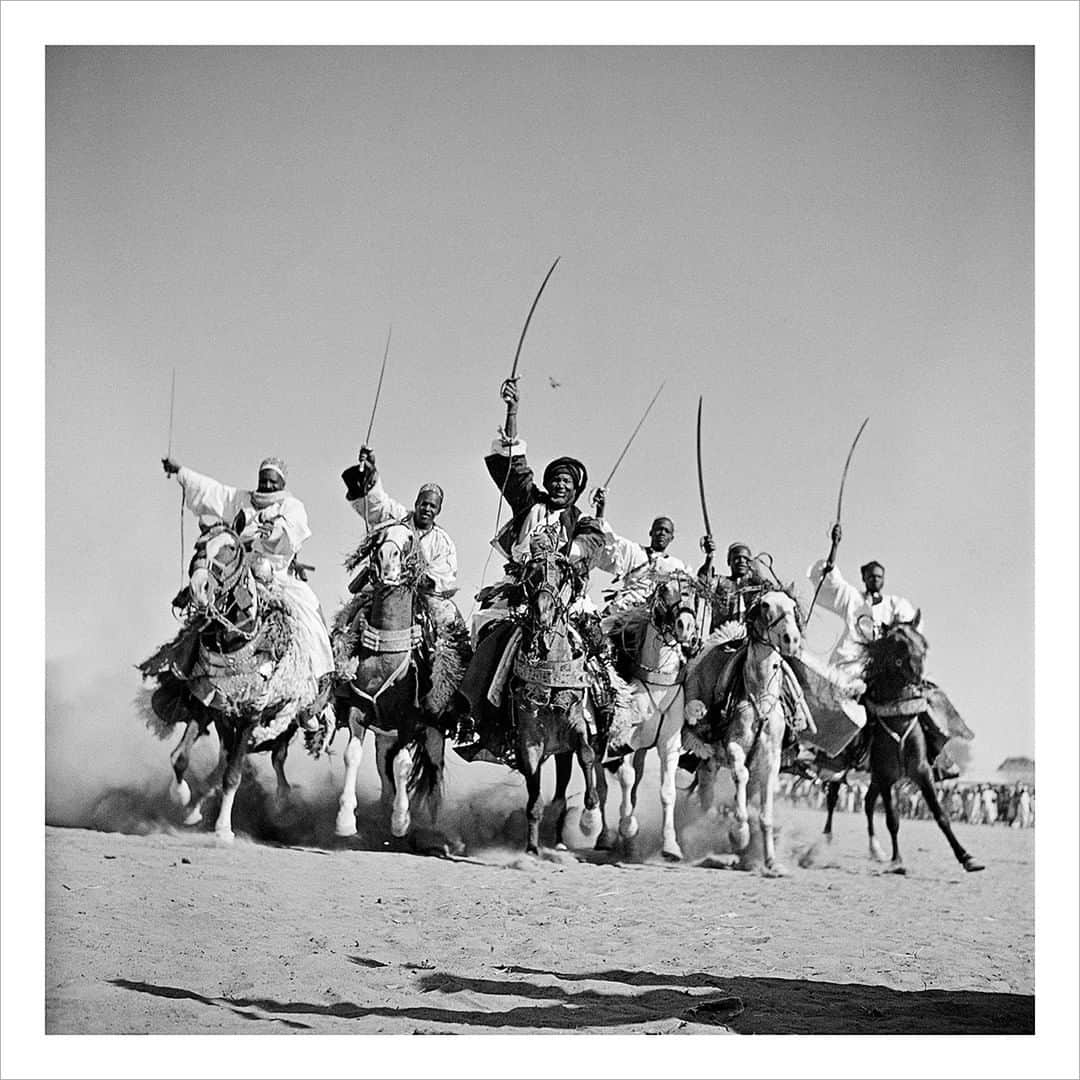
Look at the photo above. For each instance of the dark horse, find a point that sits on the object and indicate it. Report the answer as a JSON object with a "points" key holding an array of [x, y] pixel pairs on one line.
{"points": [[895, 700], [239, 664], [540, 658], [377, 639]]}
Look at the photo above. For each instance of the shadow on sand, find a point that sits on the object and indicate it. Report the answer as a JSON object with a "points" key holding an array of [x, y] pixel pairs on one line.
{"points": [[759, 1006]]}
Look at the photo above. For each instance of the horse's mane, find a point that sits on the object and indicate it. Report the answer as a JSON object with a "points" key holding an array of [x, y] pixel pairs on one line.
{"points": [[882, 652]]}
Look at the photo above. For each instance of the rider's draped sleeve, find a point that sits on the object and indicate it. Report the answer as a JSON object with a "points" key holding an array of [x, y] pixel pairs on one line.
{"points": [[436, 547]]}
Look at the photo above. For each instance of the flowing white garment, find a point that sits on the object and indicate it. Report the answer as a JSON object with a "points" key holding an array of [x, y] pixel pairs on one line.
{"points": [[287, 517], [862, 620]]}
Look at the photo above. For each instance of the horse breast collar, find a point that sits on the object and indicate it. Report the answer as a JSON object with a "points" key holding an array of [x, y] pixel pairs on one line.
{"points": [[911, 702], [389, 641]]}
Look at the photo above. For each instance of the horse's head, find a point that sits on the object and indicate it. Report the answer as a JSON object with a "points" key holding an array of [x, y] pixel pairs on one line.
{"points": [[392, 558], [896, 657], [774, 619], [220, 578], [672, 608], [550, 584]]}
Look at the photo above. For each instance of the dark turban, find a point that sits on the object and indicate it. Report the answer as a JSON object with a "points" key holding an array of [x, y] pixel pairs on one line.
{"points": [[571, 465], [870, 566]]}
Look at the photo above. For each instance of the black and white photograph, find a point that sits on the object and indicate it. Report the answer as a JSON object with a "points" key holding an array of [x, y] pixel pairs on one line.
{"points": [[520, 523]]}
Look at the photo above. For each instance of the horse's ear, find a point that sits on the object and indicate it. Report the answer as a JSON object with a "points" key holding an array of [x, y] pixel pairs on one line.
{"points": [[916, 622], [239, 521]]}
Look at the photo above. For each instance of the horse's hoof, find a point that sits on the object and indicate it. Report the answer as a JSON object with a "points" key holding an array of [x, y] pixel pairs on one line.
{"points": [[560, 846], [875, 852], [775, 871], [740, 836], [531, 849], [225, 839], [897, 868], [970, 865], [628, 828], [590, 821], [399, 826], [606, 841], [343, 830], [194, 818], [180, 793], [672, 854], [809, 856]]}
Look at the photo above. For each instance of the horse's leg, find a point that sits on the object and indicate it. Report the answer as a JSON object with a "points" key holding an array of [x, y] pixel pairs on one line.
{"points": [[401, 765], [607, 839], [179, 759], [345, 825], [628, 779], [434, 747], [564, 763], [194, 815], [279, 750], [530, 758], [832, 797], [892, 820], [383, 745], [669, 749], [926, 786], [587, 760], [740, 830], [769, 778], [868, 806], [237, 744]]}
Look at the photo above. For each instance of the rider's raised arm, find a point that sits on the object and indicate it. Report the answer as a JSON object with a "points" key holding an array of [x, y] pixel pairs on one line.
{"points": [[283, 530], [618, 556], [377, 507], [836, 594], [205, 496]]}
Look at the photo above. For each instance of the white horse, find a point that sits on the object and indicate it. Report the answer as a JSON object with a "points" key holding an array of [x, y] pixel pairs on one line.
{"points": [[660, 636], [737, 706]]}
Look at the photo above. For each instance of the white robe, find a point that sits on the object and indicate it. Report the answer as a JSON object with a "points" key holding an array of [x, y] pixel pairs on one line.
{"points": [[207, 497], [435, 545], [636, 568], [854, 607]]}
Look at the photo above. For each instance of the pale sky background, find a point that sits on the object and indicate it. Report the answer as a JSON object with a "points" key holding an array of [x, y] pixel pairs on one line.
{"points": [[804, 236]]}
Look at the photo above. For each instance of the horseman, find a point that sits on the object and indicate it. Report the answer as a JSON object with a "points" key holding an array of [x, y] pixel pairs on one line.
{"points": [[446, 636], [542, 519], [866, 613], [636, 567], [733, 600], [272, 524]]}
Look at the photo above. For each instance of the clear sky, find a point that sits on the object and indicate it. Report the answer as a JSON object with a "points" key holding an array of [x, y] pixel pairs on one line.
{"points": [[803, 236]]}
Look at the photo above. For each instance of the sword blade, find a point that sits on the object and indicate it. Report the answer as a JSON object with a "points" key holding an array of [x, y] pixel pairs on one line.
{"points": [[631, 439], [172, 403], [700, 476], [843, 478], [378, 390], [528, 318]]}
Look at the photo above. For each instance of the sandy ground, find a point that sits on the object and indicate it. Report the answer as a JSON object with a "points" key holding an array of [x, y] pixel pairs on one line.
{"points": [[150, 929]]}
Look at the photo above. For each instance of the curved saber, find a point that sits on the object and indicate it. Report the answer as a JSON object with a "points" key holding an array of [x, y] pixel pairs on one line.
{"points": [[528, 318], [172, 402], [378, 390], [839, 507], [631, 439], [700, 476]]}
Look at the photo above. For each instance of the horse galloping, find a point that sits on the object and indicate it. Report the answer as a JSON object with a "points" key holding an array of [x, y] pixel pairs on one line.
{"points": [[744, 698], [658, 638], [377, 638], [896, 699], [238, 664]]}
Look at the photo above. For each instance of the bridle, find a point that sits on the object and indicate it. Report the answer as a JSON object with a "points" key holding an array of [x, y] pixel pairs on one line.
{"points": [[223, 579]]}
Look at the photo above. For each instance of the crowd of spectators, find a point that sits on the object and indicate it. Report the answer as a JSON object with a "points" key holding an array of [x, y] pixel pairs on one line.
{"points": [[976, 803]]}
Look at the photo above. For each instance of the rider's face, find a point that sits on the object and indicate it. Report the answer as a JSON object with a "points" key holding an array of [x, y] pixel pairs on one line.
{"points": [[739, 564], [270, 480], [874, 579], [426, 509], [561, 489], [661, 534]]}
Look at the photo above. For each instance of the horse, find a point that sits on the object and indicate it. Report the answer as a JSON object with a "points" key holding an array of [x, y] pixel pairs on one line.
{"points": [[741, 697], [658, 638], [528, 686], [238, 665], [896, 698], [377, 638]]}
